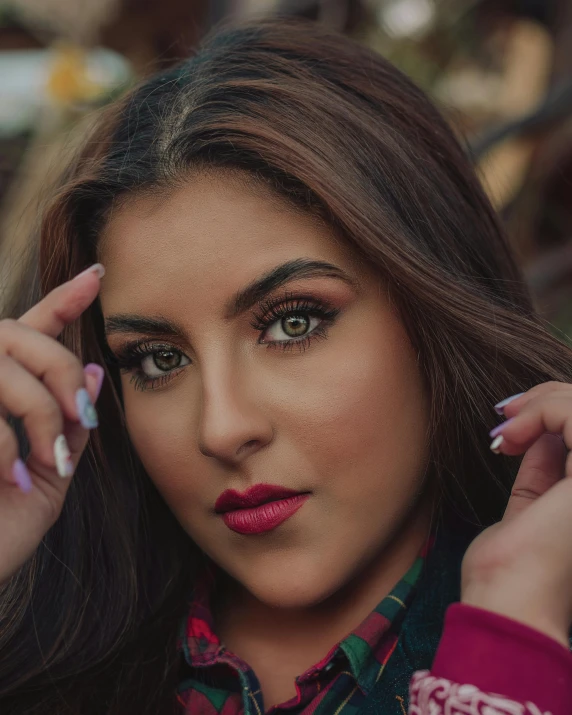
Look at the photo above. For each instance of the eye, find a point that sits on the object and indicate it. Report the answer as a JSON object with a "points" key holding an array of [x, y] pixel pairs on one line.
{"points": [[291, 326], [159, 362], [293, 322], [151, 365]]}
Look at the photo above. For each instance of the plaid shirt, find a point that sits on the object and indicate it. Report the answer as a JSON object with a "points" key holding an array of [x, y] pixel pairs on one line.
{"points": [[217, 681]]}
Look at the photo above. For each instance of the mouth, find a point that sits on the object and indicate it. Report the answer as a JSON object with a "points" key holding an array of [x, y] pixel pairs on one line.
{"points": [[260, 509]]}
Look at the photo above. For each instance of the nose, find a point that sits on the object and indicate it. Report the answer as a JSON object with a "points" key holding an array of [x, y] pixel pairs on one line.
{"points": [[233, 424]]}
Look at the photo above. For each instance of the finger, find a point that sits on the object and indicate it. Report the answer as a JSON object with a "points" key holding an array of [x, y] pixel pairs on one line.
{"points": [[9, 455], [551, 414], [65, 303], [517, 403], [76, 436], [94, 375], [541, 467], [26, 398], [49, 361]]}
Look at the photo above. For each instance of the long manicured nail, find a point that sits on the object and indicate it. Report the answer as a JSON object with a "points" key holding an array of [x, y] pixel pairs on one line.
{"points": [[98, 373], [497, 430], [503, 403], [62, 455], [22, 476], [496, 443], [96, 268], [85, 409]]}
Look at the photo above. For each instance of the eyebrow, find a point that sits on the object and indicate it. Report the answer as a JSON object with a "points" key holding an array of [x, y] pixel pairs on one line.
{"points": [[240, 302], [261, 287]]}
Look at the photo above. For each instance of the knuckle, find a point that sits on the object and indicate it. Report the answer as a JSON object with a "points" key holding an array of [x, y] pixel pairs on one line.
{"points": [[7, 327], [4, 362], [551, 401], [552, 385], [49, 410], [523, 493], [542, 389], [67, 364]]}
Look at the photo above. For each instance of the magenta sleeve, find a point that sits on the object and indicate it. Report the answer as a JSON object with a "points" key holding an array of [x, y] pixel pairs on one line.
{"points": [[486, 662]]}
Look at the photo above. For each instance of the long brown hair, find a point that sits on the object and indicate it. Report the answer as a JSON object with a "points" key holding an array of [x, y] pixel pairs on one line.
{"points": [[89, 625]]}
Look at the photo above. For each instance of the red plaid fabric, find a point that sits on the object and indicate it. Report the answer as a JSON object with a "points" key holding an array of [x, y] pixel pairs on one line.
{"points": [[216, 681]]}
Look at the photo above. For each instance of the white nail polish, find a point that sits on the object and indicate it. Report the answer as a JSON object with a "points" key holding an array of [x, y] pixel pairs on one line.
{"points": [[62, 456], [496, 443], [96, 268]]}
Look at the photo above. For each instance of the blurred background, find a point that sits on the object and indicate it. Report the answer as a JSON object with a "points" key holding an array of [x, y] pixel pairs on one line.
{"points": [[501, 71]]}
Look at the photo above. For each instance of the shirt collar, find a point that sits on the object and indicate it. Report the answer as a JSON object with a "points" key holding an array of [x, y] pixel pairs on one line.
{"points": [[366, 649], [197, 639]]}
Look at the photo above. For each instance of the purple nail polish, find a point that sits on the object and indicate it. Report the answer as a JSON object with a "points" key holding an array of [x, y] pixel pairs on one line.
{"points": [[22, 476], [499, 407], [98, 372], [497, 430]]}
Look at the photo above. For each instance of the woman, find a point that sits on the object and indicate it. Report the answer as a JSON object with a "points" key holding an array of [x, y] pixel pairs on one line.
{"points": [[307, 314]]}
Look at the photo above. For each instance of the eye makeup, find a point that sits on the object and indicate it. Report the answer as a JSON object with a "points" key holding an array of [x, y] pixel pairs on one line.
{"points": [[130, 356], [288, 311], [289, 306]]}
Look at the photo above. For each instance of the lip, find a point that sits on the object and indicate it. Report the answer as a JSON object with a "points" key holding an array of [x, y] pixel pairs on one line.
{"points": [[261, 508]]}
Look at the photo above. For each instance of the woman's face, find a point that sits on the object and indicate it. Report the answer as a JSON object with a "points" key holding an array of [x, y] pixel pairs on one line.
{"points": [[265, 354]]}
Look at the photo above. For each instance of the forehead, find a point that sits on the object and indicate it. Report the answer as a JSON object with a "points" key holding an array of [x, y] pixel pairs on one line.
{"points": [[211, 235]]}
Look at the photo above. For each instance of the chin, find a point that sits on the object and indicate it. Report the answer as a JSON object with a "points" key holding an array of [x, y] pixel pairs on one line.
{"points": [[290, 587], [294, 596]]}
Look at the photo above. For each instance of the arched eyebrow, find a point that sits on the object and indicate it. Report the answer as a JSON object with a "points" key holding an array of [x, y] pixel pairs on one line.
{"points": [[240, 302], [299, 268], [126, 323]]}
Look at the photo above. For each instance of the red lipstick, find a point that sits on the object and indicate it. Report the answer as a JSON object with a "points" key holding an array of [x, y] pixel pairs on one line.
{"points": [[261, 508]]}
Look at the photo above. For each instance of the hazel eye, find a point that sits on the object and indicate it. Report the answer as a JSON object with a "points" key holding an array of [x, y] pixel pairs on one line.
{"points": [[160, 362], [291, 326]]}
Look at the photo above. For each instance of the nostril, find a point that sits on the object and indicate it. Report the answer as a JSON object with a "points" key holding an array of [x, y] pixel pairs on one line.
{"points": [[248, 446]]}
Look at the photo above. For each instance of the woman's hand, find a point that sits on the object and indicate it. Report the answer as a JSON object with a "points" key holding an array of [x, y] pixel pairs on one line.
{"points": [[522, 566], [46, 386]]}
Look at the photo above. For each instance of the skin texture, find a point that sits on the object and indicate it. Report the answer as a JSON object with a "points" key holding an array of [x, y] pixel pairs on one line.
{"points": [[345, 418]]}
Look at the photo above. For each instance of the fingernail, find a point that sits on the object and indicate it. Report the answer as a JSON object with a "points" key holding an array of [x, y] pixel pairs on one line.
{"points": [[96, 268], [62, 455], [499, 428], [496, 443], [85, 409], [500, 405], [98, 373], [22, 476]]}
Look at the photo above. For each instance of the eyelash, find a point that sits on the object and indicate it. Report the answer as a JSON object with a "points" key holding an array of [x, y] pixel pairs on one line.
{"points": [[130, 357]]}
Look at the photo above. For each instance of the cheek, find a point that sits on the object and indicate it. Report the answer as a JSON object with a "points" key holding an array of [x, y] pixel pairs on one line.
{"points": [[161, 430], [352, 420], [365, 410]]}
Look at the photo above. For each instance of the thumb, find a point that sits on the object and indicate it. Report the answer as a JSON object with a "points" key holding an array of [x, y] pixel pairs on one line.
{"points": [[541, 467]]}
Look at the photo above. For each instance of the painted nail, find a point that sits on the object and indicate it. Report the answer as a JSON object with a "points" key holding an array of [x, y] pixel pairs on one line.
{"points": [[96, 268], [98, 373], [85, 409], [22, 476], [62, 455], [496, 443], [503, 403], [499, 428]]}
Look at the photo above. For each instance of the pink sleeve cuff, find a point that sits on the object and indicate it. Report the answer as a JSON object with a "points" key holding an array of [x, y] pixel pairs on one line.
{"points": [[500, 655]]}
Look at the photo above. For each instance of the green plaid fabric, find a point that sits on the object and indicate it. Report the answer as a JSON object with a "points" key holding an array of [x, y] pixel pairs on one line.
{"points": [[217, 681]]}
